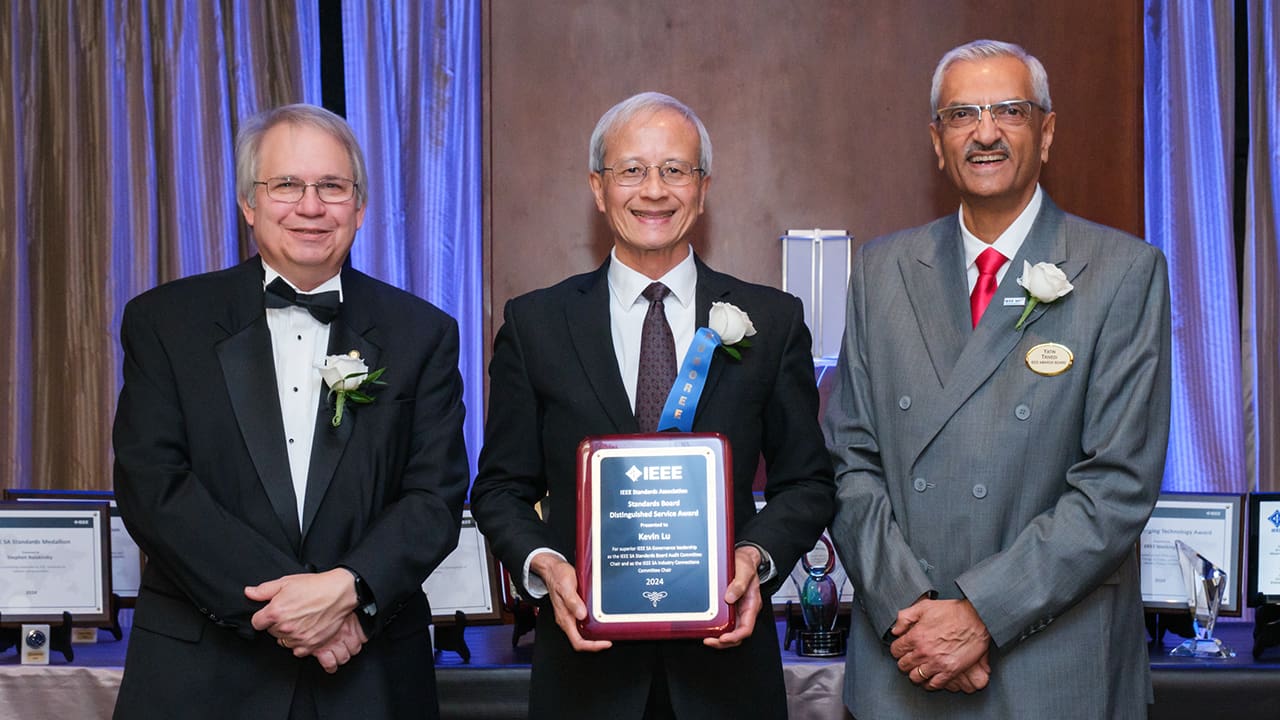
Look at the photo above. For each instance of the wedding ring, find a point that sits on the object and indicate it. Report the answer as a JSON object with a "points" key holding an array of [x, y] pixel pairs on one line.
{"points": [[921, 673], [284, 644]]}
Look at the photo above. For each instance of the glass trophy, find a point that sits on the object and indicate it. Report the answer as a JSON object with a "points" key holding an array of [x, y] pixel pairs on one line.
{"points": [[1205, 583], [820, 602]]}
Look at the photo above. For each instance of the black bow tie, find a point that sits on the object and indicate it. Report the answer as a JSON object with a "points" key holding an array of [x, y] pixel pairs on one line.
{"points": [[322, 306]]}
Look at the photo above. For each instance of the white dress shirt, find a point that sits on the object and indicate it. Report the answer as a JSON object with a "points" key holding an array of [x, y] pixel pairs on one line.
{"points": [[627, 308], [299, 343], [1008, 244]]}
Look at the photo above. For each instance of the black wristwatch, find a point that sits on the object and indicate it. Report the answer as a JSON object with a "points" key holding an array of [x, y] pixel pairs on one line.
{"points": [[364, 596], [765, 565]]}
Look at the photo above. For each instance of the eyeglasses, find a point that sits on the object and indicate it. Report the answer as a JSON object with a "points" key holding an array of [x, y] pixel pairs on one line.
{"points": [[291, 189], [672, 172], [1010, 113]]}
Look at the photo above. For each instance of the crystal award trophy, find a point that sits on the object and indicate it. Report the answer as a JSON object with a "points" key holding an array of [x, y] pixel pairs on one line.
{"points": [[1205, 583], [820, 603]]}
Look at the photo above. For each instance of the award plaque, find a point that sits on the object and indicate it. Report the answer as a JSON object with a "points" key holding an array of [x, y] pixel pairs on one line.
{"points": [[655, 536]]}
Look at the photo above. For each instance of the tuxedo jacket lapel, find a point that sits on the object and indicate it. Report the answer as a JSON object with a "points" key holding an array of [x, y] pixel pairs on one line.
{"points": [[587, 318], [248, 369], [353, 329]]}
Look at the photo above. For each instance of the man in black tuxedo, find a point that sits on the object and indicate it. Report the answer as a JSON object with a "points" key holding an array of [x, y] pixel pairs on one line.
{"points": [[286, 547], [566, 365]]}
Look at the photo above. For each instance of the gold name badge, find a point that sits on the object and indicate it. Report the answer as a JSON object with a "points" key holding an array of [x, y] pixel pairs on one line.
{"points": [[1049, 359]]}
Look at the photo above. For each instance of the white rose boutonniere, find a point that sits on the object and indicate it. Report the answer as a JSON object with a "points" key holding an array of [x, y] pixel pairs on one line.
{"points": [[1044, 283], [346, 375], [733, 326]]}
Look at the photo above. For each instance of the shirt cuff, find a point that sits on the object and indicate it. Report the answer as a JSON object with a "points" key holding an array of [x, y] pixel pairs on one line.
{"points": [[533, 583]]}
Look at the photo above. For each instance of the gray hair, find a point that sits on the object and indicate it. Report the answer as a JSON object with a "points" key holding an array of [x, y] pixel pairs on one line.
{"points": [[249, 144], [623, 112], [986, 49]]}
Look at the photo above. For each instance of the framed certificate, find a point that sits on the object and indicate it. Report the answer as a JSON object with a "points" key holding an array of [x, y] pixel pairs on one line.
{"points": [[55, 560], [1211, 524], [1264, 549], [127, 559], [789, 591], [655, 535], [465, 580]]}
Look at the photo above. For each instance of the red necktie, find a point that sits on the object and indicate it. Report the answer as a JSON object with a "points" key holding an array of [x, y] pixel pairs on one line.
{"points": [[989, 263], [657, 360]]}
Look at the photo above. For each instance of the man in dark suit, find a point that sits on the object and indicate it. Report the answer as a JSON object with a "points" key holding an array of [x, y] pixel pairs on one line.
{"points": [[286, 545], [999, 437], [566, 365]]}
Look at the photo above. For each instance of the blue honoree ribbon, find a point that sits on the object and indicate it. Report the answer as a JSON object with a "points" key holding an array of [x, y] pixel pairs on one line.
{"points": [[682, 401]]}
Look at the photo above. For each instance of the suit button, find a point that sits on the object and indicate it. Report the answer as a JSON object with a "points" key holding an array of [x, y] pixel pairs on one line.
{"points": [[904, 402], [1022, 412], [979, 491], [919, 484]]}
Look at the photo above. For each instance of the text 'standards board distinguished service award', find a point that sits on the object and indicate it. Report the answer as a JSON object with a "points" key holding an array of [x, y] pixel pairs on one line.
{"points": [[655, 535]]}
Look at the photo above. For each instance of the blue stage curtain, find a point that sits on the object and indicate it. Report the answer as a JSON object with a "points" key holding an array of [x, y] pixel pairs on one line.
{"points": [[116, 132], [1189, 138], [1260, 326], [412, 74]]}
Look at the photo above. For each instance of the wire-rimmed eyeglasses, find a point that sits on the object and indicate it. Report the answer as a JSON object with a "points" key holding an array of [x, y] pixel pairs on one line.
{"points": [[672, 172], [290, 189], [1009, 113]]}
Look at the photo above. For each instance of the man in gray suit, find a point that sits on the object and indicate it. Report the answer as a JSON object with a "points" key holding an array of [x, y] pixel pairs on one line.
{"points": [[998, 451]]}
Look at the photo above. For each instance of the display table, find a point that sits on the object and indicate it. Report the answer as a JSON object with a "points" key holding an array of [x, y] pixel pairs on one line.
{"points": [[495, 685]]}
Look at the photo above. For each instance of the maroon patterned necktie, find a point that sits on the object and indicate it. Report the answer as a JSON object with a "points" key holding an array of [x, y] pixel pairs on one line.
{"points": [[989, 263], [657, 360]]}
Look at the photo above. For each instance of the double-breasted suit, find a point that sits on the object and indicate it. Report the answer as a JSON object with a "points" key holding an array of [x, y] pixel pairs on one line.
{"points": [[554, 379], [203, 483], [961, 470]]}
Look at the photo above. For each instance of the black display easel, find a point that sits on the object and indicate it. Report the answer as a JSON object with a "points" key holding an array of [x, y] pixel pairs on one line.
{"points": [[1178, 623], [1266, 628], [451, 638]]}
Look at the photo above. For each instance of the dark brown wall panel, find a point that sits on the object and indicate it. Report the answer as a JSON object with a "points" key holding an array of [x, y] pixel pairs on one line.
{"points": [[818, 112]]}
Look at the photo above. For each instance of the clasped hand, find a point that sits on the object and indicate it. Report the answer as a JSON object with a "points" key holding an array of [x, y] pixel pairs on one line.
{"points": [[942, 645], [311, 614]]}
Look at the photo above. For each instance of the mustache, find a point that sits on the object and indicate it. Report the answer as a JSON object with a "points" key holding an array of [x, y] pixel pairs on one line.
{"points": [[977, 148]]}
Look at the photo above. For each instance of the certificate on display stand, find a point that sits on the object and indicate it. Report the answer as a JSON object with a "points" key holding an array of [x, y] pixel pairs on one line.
{"points": [[464, 581], [655, 535], [126, 558], [1264, 549], [1209, 523], [55, 559]]}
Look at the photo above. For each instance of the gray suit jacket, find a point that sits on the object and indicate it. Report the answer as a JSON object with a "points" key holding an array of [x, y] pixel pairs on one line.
{"points": [[960, 470]]}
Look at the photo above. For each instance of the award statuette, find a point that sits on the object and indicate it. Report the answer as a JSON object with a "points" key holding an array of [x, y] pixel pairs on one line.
{"points": [[655, 536], [820, 603], [1205, 584]]}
